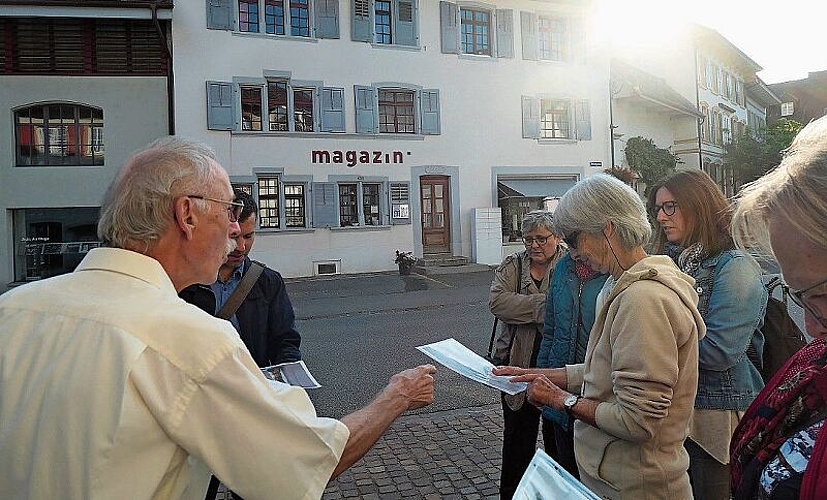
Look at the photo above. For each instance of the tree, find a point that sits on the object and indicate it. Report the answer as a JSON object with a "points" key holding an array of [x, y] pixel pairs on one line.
{"points": [[624, 174], [649, 161], [752, 156]]}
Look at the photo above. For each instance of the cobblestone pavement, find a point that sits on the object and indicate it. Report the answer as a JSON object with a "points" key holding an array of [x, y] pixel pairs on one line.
{"points": [[452, 454]]}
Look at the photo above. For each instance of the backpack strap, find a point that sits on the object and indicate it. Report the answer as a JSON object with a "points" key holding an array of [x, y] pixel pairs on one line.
{"points": [[241, 291]]}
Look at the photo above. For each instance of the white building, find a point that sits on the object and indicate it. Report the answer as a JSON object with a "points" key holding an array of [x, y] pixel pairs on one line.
{"points": [[367, 126], [81, 89]]}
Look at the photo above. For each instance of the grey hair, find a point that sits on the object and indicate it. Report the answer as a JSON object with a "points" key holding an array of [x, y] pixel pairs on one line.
{"points": [[538, 218], [599, 199], [137, 207], [796, 191]]}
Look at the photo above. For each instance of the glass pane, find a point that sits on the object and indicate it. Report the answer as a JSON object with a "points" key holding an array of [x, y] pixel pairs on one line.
{"points": [[438, 190]]}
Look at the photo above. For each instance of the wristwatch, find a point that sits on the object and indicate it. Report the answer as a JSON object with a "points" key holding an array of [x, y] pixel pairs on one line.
{"points": [[569, 403]]}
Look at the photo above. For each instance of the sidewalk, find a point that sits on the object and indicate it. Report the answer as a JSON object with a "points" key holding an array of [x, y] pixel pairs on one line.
{"points": [[452, 454]]}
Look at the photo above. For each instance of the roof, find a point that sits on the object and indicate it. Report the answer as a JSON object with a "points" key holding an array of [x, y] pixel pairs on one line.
{"points": [[762, 93], [652, 88], [702, 33]]}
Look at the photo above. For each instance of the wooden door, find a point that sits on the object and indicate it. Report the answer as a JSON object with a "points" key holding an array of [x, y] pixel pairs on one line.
{"points": [[435, 214]]}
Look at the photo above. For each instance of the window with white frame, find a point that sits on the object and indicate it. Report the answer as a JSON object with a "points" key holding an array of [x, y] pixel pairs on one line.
{"points": [[275, 105], [396, 109], [359, 204], [787, 108], [385, 22], [553, 119], [282, 203], [553, 36], [294, 18], [58, 134], [705, 131], [713, 127]]}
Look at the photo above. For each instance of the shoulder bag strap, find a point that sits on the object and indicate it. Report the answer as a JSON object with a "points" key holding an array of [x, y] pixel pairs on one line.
{"points": [[241, 292], [496, 319]]}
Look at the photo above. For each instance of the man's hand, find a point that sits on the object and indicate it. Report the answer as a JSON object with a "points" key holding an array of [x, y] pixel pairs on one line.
{"points": [[542, 392], [414, 385], [555, 375]]}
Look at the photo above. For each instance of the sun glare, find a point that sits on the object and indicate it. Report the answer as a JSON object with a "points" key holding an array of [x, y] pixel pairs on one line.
{"points": [[637, 25]]}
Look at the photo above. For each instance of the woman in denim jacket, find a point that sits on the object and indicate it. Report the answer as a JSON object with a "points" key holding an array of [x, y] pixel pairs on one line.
{"points": [[694, 214]]}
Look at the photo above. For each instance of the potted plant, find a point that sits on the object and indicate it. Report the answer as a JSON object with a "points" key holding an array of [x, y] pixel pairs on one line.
{"points": [[405, 261]]}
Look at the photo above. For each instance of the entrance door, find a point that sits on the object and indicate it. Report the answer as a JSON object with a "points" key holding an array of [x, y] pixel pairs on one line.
{"points": [[436, 226]]}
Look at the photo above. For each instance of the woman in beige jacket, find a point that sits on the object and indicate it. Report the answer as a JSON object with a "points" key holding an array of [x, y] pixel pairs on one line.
{"points": [[518, 299], [633, 396]]}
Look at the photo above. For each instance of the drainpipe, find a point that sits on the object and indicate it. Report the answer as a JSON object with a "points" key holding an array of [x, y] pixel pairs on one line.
{"points": [[170, 79]]}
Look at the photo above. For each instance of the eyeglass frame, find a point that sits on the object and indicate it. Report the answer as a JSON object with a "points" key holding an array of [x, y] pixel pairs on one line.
{"points": [[571, 239], [798, 298], [234, 208], [541, 240], [666, 209]]}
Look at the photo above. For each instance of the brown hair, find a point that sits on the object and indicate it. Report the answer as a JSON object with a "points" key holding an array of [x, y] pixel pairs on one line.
{"points": [[706, 211]]}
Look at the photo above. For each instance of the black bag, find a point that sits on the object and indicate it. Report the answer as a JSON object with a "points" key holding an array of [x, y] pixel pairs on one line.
{"points": [[782, 337]]}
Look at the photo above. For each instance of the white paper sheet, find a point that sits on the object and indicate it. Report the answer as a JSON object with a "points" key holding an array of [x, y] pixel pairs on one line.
{"points": [[293, 373], [545, 479], [467, 363]]}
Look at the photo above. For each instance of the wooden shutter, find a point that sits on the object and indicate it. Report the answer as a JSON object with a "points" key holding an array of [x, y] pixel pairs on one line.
{"points": [[505, 33], [327, 18], [449, 34], [528, 30], [400, 203], [220, 14], [325, 206], [583, 118], [361, 21], [332, 110], [429, 106], [406, 15], [220, 106], [366, 113], [531, 117]]}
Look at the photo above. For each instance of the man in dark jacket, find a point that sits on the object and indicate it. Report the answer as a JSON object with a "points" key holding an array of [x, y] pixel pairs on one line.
{"points": [[265, 319]]}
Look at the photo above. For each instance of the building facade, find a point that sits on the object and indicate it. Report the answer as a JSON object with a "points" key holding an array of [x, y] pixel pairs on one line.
{"points": [[81, 89], [368, 126]]}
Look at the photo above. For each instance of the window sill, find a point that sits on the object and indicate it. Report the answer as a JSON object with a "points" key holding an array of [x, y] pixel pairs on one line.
{"points": [[477, 57], [337, 135], [292, 230], [395, 46], [276, 37], [556, 141], [362, 228]]}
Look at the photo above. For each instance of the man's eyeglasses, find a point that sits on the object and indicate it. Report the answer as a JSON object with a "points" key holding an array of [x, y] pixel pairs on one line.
{"points": [[571, 239], [668, 208], [804, 302], [541, 240], [234, 208]]}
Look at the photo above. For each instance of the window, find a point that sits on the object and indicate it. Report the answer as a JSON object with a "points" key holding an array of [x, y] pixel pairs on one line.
{"points": [[555, 119], [719, 129], [281, 204], [393, 22], [730, 86], [248, 16], [402, 109], [739, 92], [360, 203], [348, 213], [274, 16], [705, 131], [553, 37], [291, 106], [710, 75], [59, 134], [299, 18], [370, 204], [475, 32], [702, 71], [396, 111], [52, 241], [382, 15], [787, 108]]}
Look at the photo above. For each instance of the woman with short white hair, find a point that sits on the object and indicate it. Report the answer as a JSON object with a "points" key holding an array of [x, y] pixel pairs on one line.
{"points": [[632, 398]]}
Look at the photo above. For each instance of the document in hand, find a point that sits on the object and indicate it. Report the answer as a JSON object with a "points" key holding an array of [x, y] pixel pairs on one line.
{"points": [[467, 363], [545, 479], [293, 373]]}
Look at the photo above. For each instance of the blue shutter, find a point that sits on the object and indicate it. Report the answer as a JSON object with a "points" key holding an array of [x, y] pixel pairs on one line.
{"points": [[528, 28], [449, 34], [220, 14], [327, 18], [429, 106], [505, 33], [531, 117], [325, 206], [333, 110], [400, 203], [406, 14], [220, 106], [366, 115], [361, 22], [582, 115]]}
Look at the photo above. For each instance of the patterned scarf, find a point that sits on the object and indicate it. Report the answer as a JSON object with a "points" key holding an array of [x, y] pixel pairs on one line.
{"points": [[690, 259], [793, 399], [583, 271]]}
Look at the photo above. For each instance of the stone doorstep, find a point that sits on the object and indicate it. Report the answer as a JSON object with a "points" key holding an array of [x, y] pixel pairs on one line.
{"points": [[455, 269]]}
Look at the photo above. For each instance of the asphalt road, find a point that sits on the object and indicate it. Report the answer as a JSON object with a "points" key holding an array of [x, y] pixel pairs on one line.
{"points": [[359, 330]]}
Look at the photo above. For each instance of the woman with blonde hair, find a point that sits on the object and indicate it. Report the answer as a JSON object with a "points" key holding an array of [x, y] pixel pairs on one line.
{"points": [[694, 215]]}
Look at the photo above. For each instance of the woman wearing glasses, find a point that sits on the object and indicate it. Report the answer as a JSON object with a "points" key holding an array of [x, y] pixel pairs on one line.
{"points": [[632, 397], [694, 215], [518, 299], [779, 449]]}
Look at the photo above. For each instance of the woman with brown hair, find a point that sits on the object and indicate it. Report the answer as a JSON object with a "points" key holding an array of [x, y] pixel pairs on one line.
{"points": [[694, 215]]}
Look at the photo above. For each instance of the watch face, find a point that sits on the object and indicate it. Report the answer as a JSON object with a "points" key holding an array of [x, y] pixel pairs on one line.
{"points": [[570, 401]]}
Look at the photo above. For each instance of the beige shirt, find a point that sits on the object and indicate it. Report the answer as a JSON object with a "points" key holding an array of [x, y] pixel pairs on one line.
{"points": [[113, 387]]}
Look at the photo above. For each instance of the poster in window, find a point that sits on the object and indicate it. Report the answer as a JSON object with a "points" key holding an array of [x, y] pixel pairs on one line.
{"points": [[400, 211]]}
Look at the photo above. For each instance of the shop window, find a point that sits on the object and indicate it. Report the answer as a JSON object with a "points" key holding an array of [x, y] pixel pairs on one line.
{"points": [[52, 241], [59, 134], [518, 195]]}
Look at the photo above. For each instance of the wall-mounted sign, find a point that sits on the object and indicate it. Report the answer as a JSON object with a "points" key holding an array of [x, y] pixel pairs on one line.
{"points": [[353, 157], [596, 164]]}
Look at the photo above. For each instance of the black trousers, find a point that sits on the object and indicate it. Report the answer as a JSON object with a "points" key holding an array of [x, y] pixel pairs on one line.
{"points": [[564, 441], [519, 442]]}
